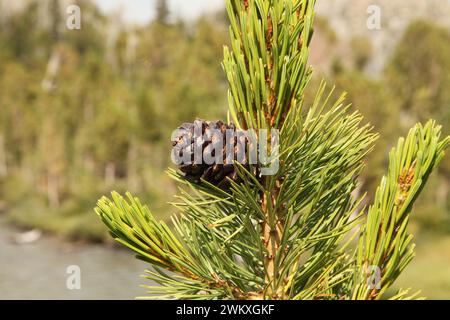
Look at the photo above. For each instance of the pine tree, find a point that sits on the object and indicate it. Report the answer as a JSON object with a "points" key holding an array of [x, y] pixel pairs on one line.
{"points": [[292, 234], [162, 12]]}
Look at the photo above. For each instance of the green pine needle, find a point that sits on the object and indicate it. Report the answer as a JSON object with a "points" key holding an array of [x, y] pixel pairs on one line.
{"points": [[290, 235]]}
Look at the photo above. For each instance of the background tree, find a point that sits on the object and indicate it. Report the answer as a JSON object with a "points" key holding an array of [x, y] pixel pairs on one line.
{"points": [[162, 12], [84, 110], [418, 71]]}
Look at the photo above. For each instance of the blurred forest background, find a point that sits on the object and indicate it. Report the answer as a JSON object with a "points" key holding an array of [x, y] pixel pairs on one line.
{"points": [[84, 112]]}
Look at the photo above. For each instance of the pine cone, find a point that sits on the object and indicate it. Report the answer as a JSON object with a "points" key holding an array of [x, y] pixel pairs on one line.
{"points": [[190, 135]]}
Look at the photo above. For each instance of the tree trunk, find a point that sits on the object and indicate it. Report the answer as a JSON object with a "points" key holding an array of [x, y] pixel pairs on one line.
{"points": [[53, 190], [110, 173], [3, 164], [443, 191], [53, 66], [132, 167]]}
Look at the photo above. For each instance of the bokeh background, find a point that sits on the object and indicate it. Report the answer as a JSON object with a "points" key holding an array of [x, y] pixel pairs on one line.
{"points": [[84, 112]]}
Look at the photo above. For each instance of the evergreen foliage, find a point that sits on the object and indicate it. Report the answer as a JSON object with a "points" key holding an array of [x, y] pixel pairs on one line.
{"points": [[289, 235], [162, 11]]}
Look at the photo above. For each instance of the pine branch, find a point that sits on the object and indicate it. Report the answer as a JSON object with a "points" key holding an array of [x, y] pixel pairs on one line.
{"points": [[267, 72], [385, 244], [284, 236], [133, 225], [321, 164], [267, 63]]}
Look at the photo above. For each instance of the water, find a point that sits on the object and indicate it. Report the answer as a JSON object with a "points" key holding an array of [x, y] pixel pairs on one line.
{"points": [[39, 270]]}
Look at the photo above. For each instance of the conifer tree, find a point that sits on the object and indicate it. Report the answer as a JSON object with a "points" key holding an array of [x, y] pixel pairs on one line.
{"points": [[298, 233], [162, 12]]}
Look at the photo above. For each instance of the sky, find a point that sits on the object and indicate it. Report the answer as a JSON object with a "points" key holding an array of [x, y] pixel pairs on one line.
{"points": [[141, 11]]}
